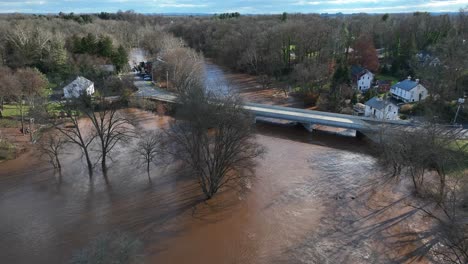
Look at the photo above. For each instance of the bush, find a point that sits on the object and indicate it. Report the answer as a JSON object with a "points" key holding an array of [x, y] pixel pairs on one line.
{"points": [[7, 150], [406, 109]]}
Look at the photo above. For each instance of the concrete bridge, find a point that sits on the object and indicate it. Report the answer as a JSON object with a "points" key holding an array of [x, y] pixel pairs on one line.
{"points": [[308, 118]]}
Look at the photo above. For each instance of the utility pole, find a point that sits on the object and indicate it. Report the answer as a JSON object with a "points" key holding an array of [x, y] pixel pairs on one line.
{"points": [[460, 102], [167, 71], [167, 79]]}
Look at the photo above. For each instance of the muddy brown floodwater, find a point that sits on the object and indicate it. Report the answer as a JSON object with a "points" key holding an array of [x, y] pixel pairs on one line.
{"points": [[316, 198], [288, 215]]}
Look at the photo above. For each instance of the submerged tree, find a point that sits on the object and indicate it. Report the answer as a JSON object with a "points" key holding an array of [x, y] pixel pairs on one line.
{"points": [[52, 146], [214, 137], [106, 124], [77, 132], [109, 127], [148, 148], [431, 148]]}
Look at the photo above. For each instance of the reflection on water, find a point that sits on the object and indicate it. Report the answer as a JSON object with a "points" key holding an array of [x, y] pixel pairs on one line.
{"points": [[45, 216]]}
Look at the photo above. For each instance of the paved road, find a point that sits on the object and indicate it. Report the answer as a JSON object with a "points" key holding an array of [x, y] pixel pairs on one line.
{"points": [[148, 89]]}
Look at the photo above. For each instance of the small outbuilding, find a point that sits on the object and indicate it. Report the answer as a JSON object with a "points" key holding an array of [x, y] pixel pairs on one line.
{"points": [[380, 108], [79, 86]]}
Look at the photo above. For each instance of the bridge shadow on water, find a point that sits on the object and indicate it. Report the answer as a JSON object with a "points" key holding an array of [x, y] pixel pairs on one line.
{"points": [[296, 132]]}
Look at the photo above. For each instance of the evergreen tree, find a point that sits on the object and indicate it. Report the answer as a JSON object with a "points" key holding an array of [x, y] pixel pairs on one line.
{"points": [[120, 58], [104, 47]]}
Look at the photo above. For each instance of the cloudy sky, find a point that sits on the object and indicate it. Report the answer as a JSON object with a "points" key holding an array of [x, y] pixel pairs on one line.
{"points": [[242, 6]]}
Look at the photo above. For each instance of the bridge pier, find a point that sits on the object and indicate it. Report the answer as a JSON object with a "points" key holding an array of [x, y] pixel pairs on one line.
{"points": [[308, 126]]}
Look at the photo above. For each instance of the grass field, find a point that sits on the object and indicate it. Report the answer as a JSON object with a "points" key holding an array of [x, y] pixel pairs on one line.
{"points": [[10, 110], [386, 77]]}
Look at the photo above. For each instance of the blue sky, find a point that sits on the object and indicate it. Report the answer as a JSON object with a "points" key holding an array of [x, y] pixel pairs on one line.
{"points": [[241, 6]]}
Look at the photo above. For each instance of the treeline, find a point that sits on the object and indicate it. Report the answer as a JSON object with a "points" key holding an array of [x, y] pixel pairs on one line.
{"points": [[315, 53], [82, 18], [228, 15]]}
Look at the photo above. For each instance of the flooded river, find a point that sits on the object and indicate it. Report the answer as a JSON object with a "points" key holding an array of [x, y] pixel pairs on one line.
{"points": [[303, 206]]}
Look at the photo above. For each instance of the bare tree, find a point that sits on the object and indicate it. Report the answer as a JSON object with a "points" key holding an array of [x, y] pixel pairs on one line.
{"points": [[213, 136], [109, 127], [420, 151], [148, 148], [52, 146], [8, 83], [185, 68], [449, 216], [76, 132]]}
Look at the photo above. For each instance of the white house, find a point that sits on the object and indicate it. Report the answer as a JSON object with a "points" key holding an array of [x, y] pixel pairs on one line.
{"points": [[381, 109], [78, 87], [362, 77], [409, 91]]}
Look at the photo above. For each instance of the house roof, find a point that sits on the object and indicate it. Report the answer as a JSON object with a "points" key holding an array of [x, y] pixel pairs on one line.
{"points": [[406, 85], [356, 70], [79, 83], [379, 103]]}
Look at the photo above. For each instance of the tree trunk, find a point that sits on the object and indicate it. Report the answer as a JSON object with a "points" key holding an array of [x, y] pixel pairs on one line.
{"points": [[22, 118], [57, 161], [1, 107], [148, 170], [104, 166], [441, 173], [90, 165]]}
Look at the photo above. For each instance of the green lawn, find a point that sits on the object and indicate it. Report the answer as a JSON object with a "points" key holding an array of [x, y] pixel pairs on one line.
{"points": [[461, 144], [10, 110], [386, 77], [54, 108]]}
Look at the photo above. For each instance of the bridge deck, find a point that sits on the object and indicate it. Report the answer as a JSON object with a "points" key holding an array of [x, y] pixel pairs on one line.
{"points": [[305, 116]]}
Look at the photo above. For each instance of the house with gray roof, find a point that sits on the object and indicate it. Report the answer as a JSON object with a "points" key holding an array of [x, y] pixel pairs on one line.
{"points": [[380, 108], [79, 86], [409, 91]]}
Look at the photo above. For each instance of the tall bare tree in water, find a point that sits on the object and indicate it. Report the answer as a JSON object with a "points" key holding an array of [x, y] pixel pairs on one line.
{"points": [[109, 127], [52, 146], [213, 136], [148, 148], [76, 132]]}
